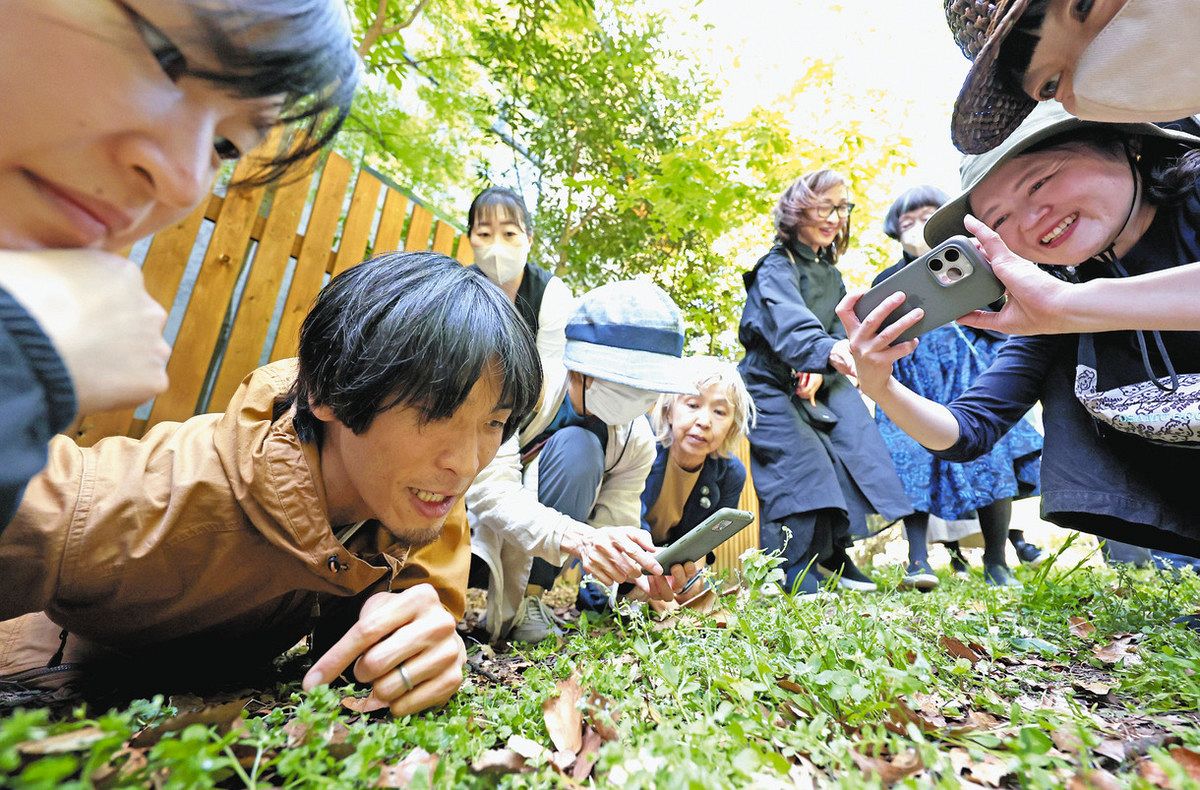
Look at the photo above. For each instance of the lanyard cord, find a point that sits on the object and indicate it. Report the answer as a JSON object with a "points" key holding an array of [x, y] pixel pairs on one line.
{"points": [[1110, 257]]}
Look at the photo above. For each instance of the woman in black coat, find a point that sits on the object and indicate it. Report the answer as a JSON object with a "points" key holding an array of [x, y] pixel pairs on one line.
{"points": [[818, 462]]}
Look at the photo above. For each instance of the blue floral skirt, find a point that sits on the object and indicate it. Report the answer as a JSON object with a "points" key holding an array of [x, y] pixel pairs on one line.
{"points": [[944, 365]]}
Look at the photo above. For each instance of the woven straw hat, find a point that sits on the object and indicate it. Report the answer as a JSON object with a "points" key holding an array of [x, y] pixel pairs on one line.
{"points": [[987, 109]]}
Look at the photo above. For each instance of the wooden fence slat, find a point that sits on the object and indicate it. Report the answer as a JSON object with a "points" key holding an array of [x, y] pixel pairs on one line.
{"points": [[357, 230], [391, 222], [418, 229], [729, 551], [161, 272], [443, 238], [466, 253], [313, 256], [209, 302], [253, 319]]}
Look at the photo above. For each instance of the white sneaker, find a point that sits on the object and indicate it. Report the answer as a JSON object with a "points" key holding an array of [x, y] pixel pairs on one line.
{"points": [[534, 622]]}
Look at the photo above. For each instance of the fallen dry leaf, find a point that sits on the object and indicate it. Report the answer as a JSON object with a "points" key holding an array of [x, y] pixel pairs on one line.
{"points": [[1099, 688], [220, 716], [1186, 759], [125, 762], [1112, 749], [297, 733], [74, 741], [889, 771], [366, 704], [901, 715], [564, 719], [988, 770], [1119, 649], [956, 648], [585, 761], [976, 720], [401, 774], [790, 685], [1081, 628], [1095, 779], [336, 736], [1066, 740], [499, 761], [562, 760], [528, 748], [602, 716]]}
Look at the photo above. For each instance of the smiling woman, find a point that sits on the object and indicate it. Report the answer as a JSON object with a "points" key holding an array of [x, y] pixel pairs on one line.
{"points": [[1121, 409]]}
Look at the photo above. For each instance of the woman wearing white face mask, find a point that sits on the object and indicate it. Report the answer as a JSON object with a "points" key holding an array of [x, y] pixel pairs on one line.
{"points": [[569, 484], [1116, 61], [501, 234], [946, 495]]}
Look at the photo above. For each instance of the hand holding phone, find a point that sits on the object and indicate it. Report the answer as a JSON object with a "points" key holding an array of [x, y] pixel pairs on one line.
{"points": [[948, 282]]}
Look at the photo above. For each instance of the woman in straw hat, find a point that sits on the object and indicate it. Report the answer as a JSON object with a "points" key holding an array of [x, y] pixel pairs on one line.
{"points": [[1105, 60], [1121, 409], [818, 463]]}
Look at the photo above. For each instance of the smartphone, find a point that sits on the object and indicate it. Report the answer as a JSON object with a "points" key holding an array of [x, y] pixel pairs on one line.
{"points": [[704, 537], [947, 282]]}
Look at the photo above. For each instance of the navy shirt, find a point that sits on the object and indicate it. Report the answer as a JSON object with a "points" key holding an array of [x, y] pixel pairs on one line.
{"points": [[1095, 478], [36, 399]]}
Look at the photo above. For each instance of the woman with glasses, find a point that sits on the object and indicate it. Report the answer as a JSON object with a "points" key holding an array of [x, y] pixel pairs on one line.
{"points": [[947, 495], [118, 114], [818, 462]]}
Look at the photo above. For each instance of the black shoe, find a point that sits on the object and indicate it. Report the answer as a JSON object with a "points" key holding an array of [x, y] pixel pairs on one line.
{"points": [[919, 576], [849, 576], [1191, 621], [959, 564], [1000, 576], [1028, 553]]}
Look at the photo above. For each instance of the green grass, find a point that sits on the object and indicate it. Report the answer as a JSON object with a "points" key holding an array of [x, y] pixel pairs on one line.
{"points": [[852, 689]]}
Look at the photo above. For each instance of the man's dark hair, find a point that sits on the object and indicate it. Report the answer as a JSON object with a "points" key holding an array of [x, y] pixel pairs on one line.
{"points": [[411, 329], [1016, 53], [503, 201], [301, 50], [924, 196]]}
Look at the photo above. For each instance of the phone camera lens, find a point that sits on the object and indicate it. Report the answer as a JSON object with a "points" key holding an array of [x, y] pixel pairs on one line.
{"points": [[935, 265], [951, 255], [954, 273]]}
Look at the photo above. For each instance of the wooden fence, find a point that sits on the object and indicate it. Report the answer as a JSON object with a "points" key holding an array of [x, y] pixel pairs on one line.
{"points": [[256, 238], [280, 245]]}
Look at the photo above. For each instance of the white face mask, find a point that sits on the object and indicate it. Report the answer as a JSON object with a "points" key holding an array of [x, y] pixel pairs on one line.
{"points": [[501, 263], [617, 404], [913, 240], [1142, 66]]}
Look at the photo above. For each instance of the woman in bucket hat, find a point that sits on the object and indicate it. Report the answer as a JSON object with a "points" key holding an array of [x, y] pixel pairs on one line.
{"points": [[1107, 60], [569, 485], [1120, 408], [818, 463]]}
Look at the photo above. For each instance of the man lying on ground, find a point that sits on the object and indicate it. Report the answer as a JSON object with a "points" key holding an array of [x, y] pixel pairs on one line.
{"points": [[326, 500]]}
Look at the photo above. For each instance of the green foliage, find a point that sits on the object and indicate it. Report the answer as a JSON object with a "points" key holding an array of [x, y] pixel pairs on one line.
{"points": [[778, 689], [617, 136]]}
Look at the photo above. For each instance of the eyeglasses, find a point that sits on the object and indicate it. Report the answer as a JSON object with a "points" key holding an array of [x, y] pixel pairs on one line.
{"points": [[825, 211]]}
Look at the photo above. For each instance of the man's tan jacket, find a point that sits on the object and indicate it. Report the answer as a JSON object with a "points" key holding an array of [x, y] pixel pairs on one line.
{"points": [[204, 543]]}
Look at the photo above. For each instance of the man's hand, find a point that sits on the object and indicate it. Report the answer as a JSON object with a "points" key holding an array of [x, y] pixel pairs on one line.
{"points": [[613, 554], [842, 360], [405, 645], [94, 308], [1036, 302]]}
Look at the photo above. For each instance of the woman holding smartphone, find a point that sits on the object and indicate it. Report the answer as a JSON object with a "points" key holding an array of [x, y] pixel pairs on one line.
{"points": [[1121, 409], [818, 462], [118, 115], [942, 368], [695, 473]]}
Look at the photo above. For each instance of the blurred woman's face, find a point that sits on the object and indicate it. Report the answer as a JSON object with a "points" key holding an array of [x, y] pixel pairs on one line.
{"points": [[101, 146], [823, 221], [1061, 206]]}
